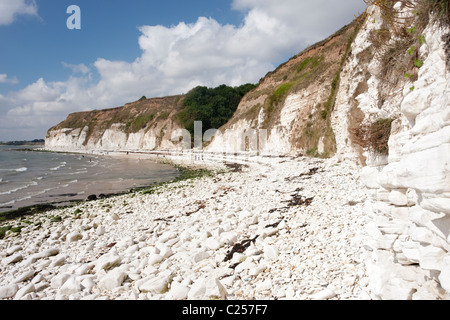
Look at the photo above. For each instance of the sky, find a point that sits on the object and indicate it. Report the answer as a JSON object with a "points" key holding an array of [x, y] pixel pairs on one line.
{"points": [[124, 50]]}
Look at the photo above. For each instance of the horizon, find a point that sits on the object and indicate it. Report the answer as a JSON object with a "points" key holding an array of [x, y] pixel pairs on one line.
{"points": [[125, 50]]}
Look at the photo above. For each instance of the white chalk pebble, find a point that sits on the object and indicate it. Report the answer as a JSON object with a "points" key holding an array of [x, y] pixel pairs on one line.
{"points": [[206, 240]]}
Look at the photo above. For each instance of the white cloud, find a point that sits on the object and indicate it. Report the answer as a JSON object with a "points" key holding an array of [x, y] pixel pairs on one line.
{"points": [[10, 9], [4, 79], [29, 112], [37, 91], [310, 20], [77, 68], [177, 58]]}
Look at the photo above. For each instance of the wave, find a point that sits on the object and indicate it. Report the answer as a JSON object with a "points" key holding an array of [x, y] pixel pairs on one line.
{"points": [[94, 163], [38, 193], [24, 198], [2, 205], [33, 183], [61, 165], [78, 172], [35, 194], [16, 170]]}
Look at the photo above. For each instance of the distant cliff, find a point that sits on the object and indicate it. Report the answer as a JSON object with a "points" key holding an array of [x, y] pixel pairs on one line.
{"points": [[144, 124], [149, 124]]}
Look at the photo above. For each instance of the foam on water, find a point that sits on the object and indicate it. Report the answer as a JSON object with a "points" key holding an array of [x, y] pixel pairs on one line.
{"points": [[62, 165], [32, 183]]}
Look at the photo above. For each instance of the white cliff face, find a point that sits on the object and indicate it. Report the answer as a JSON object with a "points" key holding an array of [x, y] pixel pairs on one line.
{"points": [[113, 138], [241, 137], [66, 139], [410, 228], [353, 76], [245, 135], [275, 140]]}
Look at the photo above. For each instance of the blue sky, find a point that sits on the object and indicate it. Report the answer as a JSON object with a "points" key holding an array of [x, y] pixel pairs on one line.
{"points": [[126, 49], [109, 30]]}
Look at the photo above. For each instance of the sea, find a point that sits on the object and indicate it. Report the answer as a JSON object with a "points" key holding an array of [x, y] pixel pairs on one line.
{"points": [[31, 177]]}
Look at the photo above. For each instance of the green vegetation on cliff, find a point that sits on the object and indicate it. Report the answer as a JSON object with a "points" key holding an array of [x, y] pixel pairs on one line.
{"points": [[212, 106]]}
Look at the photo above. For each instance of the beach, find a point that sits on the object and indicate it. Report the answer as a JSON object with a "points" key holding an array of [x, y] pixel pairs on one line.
{"points": [[269, 228], [32, 177]]}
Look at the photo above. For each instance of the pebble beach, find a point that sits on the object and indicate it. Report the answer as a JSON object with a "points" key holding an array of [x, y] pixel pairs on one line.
{"points": [[284, 228]]}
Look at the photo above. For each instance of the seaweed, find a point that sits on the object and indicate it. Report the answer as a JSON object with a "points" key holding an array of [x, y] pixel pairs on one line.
{"points": [[239, 247], [25, 211]]}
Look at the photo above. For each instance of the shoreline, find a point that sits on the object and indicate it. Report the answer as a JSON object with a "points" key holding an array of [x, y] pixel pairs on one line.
{"points": [[266, 231], [12, 212], [188, 171]]}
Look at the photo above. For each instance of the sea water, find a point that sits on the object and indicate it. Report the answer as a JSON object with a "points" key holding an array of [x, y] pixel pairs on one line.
{"points": [[30, 177]]}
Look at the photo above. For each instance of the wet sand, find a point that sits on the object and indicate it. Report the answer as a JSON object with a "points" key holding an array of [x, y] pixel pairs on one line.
{"points": [[106, 176]]}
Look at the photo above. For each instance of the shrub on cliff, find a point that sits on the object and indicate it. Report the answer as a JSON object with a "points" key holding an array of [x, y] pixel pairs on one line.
{"points": [[212, 106], [400, 37], [374, 136]]}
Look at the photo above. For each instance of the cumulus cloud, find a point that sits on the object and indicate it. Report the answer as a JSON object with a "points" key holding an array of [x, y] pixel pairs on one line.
{"points": [[5, 79], [29, 112], [310, 20], [10, 9], [77, 68], [177, 58]]}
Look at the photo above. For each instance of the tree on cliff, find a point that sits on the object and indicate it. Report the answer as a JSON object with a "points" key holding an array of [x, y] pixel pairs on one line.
{"points": [[212, 106]]}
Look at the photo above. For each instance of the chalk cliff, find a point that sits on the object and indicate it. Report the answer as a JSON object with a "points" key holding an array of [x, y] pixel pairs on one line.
{"points": [[290, 110], [410, 225], [144, 124], [316, 104]]}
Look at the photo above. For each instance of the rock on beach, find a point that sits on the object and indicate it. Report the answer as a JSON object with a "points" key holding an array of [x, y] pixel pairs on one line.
{"points": [[236, 235]]}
